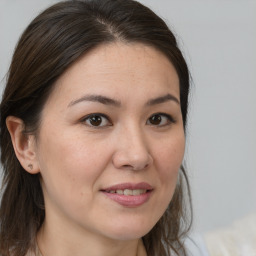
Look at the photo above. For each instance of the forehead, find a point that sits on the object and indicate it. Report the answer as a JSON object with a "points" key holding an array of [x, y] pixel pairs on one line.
{"points": [[117, 67]]}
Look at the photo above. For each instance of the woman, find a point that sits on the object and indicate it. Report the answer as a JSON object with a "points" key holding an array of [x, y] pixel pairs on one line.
{"points": [[92, 135]]}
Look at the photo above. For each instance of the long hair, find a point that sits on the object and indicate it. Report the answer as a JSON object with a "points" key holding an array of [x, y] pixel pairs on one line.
{"points": [[52, 42]]}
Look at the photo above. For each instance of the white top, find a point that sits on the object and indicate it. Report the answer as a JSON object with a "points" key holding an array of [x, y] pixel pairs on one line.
{"points": [[237, 240], [196, 246]]}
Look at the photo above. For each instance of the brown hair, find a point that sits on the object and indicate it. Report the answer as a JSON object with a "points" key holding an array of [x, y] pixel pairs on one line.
{"points": [[51, 43]]}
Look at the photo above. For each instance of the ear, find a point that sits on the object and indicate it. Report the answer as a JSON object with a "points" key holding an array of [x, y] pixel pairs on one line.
{"points": [[24, 145]]}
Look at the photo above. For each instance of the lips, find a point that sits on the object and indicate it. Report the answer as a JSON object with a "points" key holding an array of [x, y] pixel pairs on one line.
{"points": [[129, 194], [131, 186]]}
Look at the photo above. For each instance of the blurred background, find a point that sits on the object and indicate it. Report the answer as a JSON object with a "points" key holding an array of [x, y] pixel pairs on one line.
{"points": [[218, 40]]}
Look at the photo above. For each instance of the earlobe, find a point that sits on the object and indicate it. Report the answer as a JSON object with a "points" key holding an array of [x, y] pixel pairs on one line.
{"points": [[23, 144]]}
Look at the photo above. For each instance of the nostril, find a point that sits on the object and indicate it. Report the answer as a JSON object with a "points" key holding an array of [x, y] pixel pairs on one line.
{"points": [[140, 167], [135, 167], [127, 166]]}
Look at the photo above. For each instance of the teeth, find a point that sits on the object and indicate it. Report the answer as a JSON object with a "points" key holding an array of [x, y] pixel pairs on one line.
{"points": [[120, 192], [136, 192], [128, 192]]}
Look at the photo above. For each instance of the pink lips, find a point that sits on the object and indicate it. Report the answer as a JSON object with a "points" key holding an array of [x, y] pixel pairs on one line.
{"points": [[129, 200]]}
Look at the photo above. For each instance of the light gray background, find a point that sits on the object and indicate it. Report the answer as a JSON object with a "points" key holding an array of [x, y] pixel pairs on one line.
{"points": [[218, 39]]}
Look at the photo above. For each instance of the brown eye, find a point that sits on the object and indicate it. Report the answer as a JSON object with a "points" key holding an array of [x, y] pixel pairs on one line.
{"points": [[96, 120], [160, 119], [155, 120]]}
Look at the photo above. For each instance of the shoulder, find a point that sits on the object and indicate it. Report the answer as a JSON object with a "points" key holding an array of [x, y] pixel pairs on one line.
{"points": [[238, 239], [196, 246]]}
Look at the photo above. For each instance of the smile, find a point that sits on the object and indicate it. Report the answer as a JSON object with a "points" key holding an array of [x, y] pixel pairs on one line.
{"points": [[129, 194]]}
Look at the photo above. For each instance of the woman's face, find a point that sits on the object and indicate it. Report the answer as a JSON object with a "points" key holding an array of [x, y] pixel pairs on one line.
{"points": [[111, 142]]}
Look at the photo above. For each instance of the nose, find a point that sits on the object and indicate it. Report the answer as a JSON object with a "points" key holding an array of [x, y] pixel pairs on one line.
{"points": [[132, 151]]}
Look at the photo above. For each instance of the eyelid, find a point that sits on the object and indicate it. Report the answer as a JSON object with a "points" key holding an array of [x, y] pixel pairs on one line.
{"points": [[170, 118], [85, 118]]}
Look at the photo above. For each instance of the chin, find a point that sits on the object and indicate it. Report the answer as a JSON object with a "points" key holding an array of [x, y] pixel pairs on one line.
{"points": [[129, 232]]}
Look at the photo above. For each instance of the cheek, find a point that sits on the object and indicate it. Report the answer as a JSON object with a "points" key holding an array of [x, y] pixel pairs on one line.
{"points": [[69, 171], [71, 161], [169, 159]]}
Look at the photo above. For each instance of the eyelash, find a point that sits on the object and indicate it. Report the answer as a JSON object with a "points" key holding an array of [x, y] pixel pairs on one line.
{"points": [[94, 115], [170, 120]]}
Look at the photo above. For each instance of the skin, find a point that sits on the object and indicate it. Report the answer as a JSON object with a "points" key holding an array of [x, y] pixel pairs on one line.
{"points": [[77, 159]]}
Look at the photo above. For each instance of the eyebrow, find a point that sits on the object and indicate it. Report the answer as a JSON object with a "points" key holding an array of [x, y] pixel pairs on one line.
{"points": [[162, 99], [96, 98], [108, 101]]}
